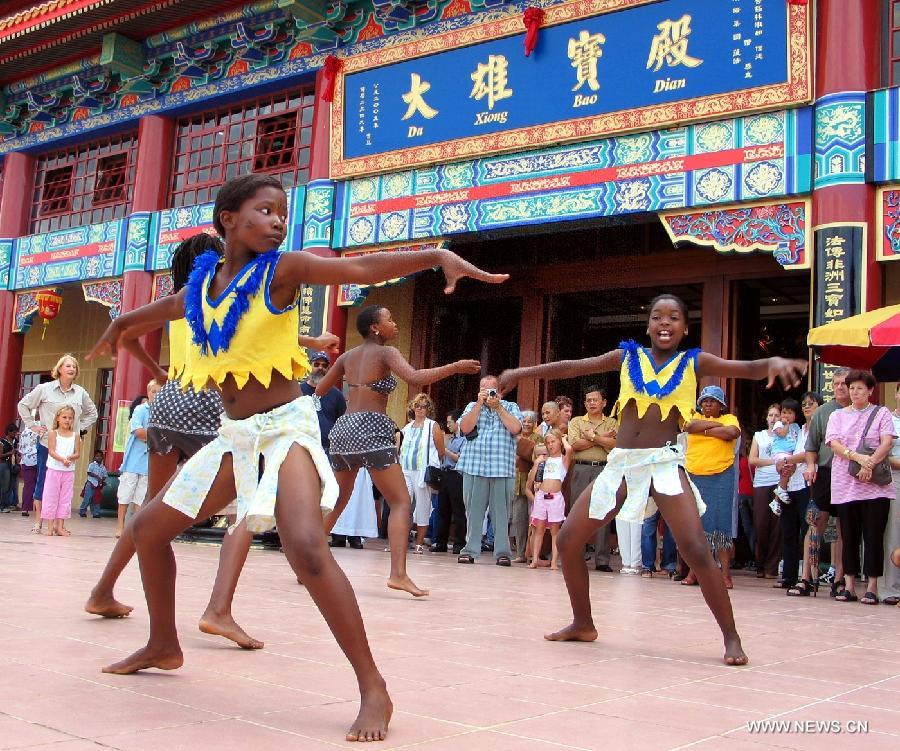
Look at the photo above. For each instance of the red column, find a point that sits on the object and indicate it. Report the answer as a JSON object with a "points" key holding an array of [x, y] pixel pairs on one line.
{"points": [[156, 137], [319, 154], [848, 58], [15, 208]]}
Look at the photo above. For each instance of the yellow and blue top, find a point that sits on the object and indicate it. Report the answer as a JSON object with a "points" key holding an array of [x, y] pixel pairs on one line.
{"points": [[179, 335], [673, 385], [240, 333]]}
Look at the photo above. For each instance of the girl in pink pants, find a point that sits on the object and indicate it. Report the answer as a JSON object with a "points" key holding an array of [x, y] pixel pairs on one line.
{"points": [[64, 446]]}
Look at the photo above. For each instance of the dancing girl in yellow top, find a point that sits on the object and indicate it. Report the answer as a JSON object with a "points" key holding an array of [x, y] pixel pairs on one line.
{"points": [[646, 469], [242, 312]]}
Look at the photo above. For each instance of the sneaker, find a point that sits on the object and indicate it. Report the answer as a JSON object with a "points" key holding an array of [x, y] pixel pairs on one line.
{"points": [[629, 570], [438, 548], [827, 579], [782, 495], [776, 507], [457, 549]]}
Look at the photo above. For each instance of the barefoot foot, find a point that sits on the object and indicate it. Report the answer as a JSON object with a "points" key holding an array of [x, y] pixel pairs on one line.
{"points": [[734, 653], [573, 633], [106, 606], [225, 625], [371, 724], [146, 657], [406, 584]]}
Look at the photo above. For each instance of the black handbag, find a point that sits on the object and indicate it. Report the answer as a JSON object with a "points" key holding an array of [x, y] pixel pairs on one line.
{"points": [[434, 476], [881, 472]]}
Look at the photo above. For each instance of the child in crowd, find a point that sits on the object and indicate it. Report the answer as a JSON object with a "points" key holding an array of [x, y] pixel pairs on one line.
{"points": [[535, 476], [64, 448], [93, 486], [646, 469], [9, 469], [785, 434], [233, 304], [134, 470], [549, 507]]}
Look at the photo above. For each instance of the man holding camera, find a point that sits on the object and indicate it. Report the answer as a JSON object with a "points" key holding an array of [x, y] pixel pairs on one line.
{"points": [[488, 467]]}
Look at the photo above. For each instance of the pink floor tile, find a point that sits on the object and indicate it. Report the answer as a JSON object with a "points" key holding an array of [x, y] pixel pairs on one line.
{"points": [[223, 735], [589, 731], [18, 733]]}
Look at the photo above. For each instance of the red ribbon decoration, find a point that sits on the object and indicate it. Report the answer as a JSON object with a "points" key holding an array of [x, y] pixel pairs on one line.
{"points": [[330, 70], [798, 2], [533, 18]]}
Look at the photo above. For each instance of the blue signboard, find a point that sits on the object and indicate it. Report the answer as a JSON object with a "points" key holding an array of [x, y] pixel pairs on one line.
{"points": [[652, 55]]}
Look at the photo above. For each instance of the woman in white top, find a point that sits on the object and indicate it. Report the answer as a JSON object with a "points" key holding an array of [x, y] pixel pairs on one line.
{"points": [[549, 504], [765, 480], [422, 447]]}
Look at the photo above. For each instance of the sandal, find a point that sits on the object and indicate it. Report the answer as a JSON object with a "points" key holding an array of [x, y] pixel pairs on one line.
{"points": [[846, 596], [869, 598], [502, 560], [803, 588], [646, 573], [690, 580], [419, 550], [36, 529], [837, 588], [729, 582], [465, 558], [892, 600]]}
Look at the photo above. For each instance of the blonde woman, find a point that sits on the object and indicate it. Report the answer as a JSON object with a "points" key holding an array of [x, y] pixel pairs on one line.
{"points": [[47, 398], [422, 447]]}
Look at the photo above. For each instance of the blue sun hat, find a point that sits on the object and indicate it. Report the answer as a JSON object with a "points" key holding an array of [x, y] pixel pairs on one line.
{"points": [[712, 392]]}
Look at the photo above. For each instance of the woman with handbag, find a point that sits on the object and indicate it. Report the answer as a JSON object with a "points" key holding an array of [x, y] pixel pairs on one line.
{"points": [[420, 456], [861, 435]]}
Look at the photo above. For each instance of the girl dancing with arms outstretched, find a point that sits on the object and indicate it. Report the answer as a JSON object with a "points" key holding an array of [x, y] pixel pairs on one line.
{"points": [[242, 313], [658, 391], [364, 435]]}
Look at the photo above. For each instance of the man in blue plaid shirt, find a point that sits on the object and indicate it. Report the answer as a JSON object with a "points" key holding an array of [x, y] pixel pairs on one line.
{"points": [[488, 466]]}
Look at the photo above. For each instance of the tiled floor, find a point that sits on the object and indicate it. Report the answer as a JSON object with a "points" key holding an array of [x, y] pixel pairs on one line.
{"points": [[467, 668]]}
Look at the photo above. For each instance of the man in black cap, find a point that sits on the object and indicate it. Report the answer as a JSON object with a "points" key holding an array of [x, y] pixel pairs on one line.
{"points": [[328, 409]]}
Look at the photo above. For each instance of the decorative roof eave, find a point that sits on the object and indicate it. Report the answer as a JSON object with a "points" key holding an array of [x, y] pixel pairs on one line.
{"points": [[40, 16]]}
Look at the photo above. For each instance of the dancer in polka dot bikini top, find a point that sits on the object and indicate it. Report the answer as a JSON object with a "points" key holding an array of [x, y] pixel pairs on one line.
{"points": [[364, 435]]}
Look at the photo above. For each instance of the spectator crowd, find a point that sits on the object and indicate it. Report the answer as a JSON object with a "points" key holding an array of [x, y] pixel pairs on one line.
{"points": [[810, 500]]}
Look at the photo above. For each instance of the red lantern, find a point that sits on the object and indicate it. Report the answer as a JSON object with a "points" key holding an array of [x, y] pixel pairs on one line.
{"points": [[330, 69], [48, 306]]}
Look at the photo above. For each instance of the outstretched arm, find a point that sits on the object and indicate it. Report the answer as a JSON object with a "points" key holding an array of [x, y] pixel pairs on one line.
{"points": [[327, 342], [130, 341], [789, 372], [413, 377], [157, 313], [332, 378], [295, 269], [554, 371]]}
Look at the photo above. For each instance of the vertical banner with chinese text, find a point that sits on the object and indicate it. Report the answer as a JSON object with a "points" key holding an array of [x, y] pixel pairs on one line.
{"points": [[313, 309], [838, 282]]}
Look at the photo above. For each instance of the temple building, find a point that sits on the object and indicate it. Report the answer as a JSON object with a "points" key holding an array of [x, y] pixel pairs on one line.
{"points": [[743, 154]]}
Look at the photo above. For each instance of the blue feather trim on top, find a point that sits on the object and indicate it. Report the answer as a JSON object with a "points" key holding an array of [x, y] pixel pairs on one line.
{"points": [[219, 338], [632, 354]]}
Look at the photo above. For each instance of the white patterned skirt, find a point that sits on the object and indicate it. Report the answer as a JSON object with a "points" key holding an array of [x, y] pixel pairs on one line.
{"points": [[640, 468], [269, 435]]}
